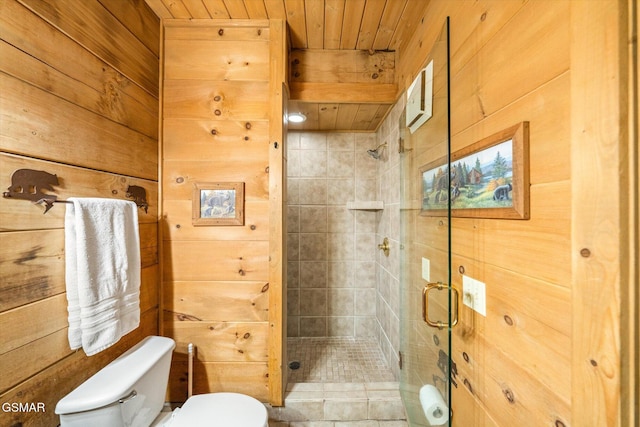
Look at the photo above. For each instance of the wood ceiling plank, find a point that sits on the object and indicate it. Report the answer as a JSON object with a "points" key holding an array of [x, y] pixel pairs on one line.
{"points": [[177, 9], [409, 21], [379, 115], [159, 8], [236, 9], [314, 15], [312, 112], [346, 116], [256, 9], [388, 24], [297, 23], [351, 24], [333, 15], [196, 9], [216, 9], [370, 22], [275, 9], [327, 116], [365, 115]]}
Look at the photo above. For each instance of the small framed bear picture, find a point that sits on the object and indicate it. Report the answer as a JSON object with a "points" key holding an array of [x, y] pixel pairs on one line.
{"points": [[218, 203], [487, 179]]}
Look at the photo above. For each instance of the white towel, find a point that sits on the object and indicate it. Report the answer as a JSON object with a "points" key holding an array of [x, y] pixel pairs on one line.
{"points": [[102, 248]]}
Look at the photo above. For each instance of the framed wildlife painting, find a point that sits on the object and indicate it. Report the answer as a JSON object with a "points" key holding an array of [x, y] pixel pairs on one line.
{"points": [[218, 203], [487, 179]]}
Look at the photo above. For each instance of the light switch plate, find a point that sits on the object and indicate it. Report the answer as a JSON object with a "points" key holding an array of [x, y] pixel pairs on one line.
{"points": [[426, 269], [474, 294]]}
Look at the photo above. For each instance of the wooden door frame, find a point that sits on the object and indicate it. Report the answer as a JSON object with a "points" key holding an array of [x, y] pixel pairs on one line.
{"points": [[604, 162]]}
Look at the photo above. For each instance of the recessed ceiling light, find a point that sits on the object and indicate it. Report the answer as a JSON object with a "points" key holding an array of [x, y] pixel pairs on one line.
{"points": [[297, 117]]}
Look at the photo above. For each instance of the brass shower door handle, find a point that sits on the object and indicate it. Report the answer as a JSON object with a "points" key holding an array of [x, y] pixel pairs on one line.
{"points": [[425, 305]]}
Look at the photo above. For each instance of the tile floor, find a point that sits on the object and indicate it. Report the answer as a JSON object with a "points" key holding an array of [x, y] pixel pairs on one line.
{"points": [[341, 382], [337, 360]]}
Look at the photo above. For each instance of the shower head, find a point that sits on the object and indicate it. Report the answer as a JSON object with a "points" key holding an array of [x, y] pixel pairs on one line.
{"points": [[376, 152]]}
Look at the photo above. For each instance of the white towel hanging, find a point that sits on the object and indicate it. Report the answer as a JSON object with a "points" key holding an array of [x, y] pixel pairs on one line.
{"points": [[102, 250]]}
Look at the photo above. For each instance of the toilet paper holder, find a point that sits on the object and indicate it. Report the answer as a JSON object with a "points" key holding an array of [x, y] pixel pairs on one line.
{"points": [[434, 406]]}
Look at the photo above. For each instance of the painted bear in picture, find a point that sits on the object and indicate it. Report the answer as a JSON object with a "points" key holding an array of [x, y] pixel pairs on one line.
{"points": [[502, 192]]}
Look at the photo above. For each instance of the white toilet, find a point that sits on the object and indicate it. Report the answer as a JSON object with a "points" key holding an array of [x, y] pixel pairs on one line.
{"points": [[130, 392]]}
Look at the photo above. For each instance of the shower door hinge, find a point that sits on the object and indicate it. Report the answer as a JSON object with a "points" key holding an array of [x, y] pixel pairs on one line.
{"points": [[400, 359]]}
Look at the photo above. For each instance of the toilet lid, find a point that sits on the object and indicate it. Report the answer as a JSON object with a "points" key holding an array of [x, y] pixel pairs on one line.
{"points": [[221, 410]]}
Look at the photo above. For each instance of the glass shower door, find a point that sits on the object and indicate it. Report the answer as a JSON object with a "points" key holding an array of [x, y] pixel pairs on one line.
{"points": [[428, 303]]}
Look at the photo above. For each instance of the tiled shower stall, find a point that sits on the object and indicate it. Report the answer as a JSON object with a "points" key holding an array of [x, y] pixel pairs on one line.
{"points": [[339, 283], [343, 299]]}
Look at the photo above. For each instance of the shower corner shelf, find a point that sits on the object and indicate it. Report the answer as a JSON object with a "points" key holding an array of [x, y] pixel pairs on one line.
{"points": [[374, 205]]}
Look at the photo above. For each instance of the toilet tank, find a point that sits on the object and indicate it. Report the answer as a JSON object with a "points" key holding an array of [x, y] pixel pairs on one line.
{"points": [[129, 391]]}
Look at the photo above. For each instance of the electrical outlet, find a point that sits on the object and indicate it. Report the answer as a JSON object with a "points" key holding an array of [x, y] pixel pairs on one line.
{"points": [[426, 269], [474, 294]]}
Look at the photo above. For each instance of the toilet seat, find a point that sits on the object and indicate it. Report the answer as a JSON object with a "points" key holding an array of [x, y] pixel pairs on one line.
{"points": [[221, 410]]}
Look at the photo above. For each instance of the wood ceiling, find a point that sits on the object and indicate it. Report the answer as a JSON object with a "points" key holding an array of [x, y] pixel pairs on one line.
{"points": [[342, 59]]}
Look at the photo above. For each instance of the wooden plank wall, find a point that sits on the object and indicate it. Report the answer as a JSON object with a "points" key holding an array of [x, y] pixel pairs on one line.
{"points": [[548, 351], [222, 285], [79, 99]]}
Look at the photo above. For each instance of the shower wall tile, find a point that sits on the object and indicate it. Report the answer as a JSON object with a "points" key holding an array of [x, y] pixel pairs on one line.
{"points": [[332, 250], [365, 141], [293, 246], [341, 326], [312, 191], [366, 246], [313, 274], [293, 191], [340, 191], [365, 302], [313, 219], [313, 326], [293, 325], [293, 274], [313, 141], [365, 222], [341, 275], [340, 142], [340, 220], [366, 189], [366, 166], [340, 301], [388, 225], [340, 164], [293, 163], [313, 163], [293, 219], [341, 246], [365, 274], [293, 141], [313, 246], [367, 326], [293, 302], [313, 302], [394, 296], [393, 212]]}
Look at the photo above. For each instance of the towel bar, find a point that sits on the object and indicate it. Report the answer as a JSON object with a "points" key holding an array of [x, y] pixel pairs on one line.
{"points": [[27, 184]]}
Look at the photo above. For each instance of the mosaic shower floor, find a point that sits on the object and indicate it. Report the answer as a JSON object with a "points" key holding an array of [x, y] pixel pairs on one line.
{"points": [[337, 360], [341, 382]]}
